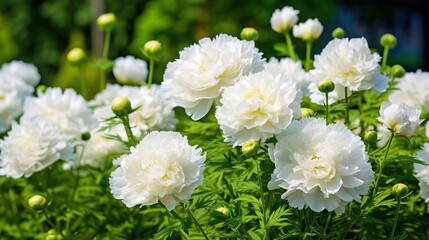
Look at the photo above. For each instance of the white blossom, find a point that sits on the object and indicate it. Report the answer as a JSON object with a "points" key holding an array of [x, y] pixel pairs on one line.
{"points": [[67, 110], [400, 118], [349, 63], [319, 166], [412, 89], [197, 78], [292, 71], [421, 172], [13, 91], [30, 147], [284, 19], [130, 70], [162, 167], [257, 107], [308, 30], [27, 72]]}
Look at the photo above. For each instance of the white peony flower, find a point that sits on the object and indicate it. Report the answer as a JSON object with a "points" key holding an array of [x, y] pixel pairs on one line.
{"points": [[197, 78], [154, 112], [30, 147], [427, 129], [257, 107], [162, 167], [291, 70], [421, 172], [284, 19], [130, 70], [66, 110], [400, 118], [349, 63], [309, 30], [323, 167], [13, 91], [412, 89], [27, 72]]}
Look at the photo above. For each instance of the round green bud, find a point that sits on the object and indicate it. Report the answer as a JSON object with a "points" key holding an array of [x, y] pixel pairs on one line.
{"points": [[338, 33], [399, 190], [370, 137], [37, 202], [106, 21], [250, 148], [249, 34], [53, 235], [76, 56], [224, 210], [41, 88], [388, 40], [121, 106], [85, 136], [306, 112], [397, 71], [152, 49], [326, 86]]}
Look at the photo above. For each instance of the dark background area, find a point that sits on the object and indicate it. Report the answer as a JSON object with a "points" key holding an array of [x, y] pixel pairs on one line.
{"points": [[43, 31]]}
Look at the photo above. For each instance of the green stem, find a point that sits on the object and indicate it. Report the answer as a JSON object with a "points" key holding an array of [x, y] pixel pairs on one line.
{"points": [[194, 220], [54, 226], [384, 60], [291, 51], [82, 82], [327, 108], [261, 192], [347, 105], [151, 64], [76, 182], [126, 122], [308, 55], [328, 221], [382, 166], [106, 47], [398, 206]]}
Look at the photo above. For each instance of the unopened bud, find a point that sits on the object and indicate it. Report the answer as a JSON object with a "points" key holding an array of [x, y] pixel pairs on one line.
{"points": [[85, 136], [326, 86], [53, 235], [121, 106], [107, 21], [397, 71], [41, 89], [338, 33], [76, 56], [224, 210], [370, 137], [249, 34], [388, 40], [306, 112], [250, 148], [399, 190], [152, 49], [37, 202]]}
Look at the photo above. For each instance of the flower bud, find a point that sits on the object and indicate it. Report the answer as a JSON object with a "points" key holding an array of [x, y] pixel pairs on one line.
{"points": [[106, 22], [53, 235], [121, 106], [250, 148], [388, 41], [41, 89], [326, 86], [37, 202], [306, 112], [76, 56], [397, 71], [399, 190], [338, 33], [370, 137], [85, 136], [224, 210], [152, 49], [249, 34]]}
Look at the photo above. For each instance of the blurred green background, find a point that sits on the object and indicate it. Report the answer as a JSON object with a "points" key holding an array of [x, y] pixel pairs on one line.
{"points": [[43, 31]]}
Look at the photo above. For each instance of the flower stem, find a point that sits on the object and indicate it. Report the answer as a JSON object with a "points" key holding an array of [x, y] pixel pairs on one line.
{"points": [[261, 192], [398, 206], [291, 51], [327, 108], [126, 122], [82, 82], [54, 226], [384, 61], [194, 220], [151, 64], [328, 221], [308, 55], [76, 182], [382, 166], [347, 105], [105, 57]]}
